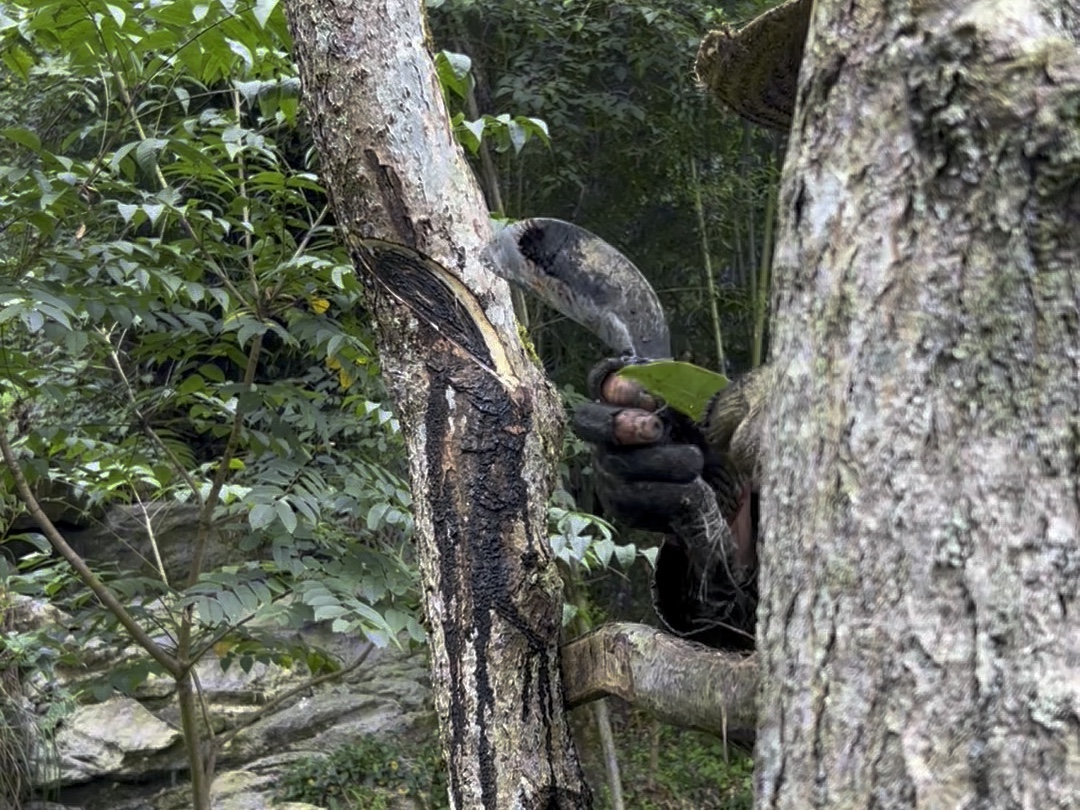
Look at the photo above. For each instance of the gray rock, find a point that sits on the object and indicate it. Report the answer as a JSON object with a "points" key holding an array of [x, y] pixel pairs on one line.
{"points": [[320, 722], [127, 753], [116, 738]]}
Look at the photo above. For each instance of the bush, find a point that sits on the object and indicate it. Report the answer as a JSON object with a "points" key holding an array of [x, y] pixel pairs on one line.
{"points": [[370, 775]]}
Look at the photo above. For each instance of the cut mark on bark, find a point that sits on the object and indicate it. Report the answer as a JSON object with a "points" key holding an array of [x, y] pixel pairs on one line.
{"points": [[439, 300]]}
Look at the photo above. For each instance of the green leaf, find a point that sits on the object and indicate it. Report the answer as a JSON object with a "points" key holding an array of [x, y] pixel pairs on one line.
{"points": [[683, 386], [153, 211], [453, 71], [626, 554], [127, 211], [23, 137], [376, 515], [117, 14], [603, 549], [518, 135], [261, 515], [18, 60], [147, 151], [262, 10], [286, 515], [324, 612], [470, 133], [241, 50]]}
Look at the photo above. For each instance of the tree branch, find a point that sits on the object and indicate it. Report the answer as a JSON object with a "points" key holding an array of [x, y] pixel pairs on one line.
{"points": [[57, 541], [680, 682]]}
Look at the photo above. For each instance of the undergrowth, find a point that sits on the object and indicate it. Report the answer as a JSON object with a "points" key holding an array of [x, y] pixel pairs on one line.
{"points": [[668, 768], [370, 774]]}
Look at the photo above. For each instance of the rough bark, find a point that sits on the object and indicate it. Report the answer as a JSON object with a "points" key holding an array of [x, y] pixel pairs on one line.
{"points": [[918, 630], [677, 681], [475, 412]]}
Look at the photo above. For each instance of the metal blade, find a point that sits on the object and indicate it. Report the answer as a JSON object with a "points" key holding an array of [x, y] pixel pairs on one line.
{"points": [[587, 280]]}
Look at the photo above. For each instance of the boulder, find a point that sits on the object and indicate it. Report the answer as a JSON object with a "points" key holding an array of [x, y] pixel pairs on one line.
{"points": [[116, 738]]}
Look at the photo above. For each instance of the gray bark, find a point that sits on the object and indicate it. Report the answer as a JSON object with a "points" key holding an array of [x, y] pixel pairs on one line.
{"points": [[474, 410], [919, 632]]}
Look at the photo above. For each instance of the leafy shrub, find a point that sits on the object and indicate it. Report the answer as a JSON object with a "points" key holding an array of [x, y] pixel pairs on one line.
{"points": [[668, 768], [370, 775]]}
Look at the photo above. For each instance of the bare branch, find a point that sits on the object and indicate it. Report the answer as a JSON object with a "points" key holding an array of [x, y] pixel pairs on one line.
{"points": [[60, 545], [680, 682]]}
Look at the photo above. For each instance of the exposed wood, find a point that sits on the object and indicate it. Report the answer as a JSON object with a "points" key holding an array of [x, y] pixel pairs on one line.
{"points": [[679, 682]]}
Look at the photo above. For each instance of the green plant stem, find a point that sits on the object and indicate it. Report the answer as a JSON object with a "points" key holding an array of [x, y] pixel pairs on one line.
{"points": [[611, 756], [206, 514], [748, 204], [171, 665], [189, 721], [600, 710], [706, 260], [489, 177], [201, 774]]}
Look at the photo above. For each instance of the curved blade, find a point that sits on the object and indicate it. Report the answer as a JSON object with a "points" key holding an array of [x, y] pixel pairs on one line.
{"points": [[587, 280]]}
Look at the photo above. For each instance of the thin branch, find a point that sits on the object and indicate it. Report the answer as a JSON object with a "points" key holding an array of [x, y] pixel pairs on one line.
{"points": [[148, 525], [761, 302], [206, 513], [274, 704], [706, 259], [611, 756], [57, 541]]}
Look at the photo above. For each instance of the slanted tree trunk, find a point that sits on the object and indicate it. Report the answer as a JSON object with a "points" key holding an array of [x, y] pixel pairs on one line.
{"points": [[919, 632], [475, 412]]}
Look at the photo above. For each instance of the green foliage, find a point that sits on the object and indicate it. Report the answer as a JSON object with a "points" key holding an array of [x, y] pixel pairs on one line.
{"points": [[614, 83], [580, 538], [690, 771], [503, 132], [500, 132], [178, 322], [370, 774], [683, 386]]}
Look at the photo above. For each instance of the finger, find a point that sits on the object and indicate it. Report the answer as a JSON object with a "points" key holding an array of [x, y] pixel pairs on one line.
{"points": [[634, 427], [599, 373], [629, 393], [604, 383], [599, 423], [673, 463]]}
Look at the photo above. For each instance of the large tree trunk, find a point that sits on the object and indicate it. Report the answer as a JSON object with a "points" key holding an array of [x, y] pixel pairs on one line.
{"points": [[919, 627], [474, 410]]}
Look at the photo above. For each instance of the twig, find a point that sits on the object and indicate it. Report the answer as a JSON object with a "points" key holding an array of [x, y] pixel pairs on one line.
{"points": [[254, 717], [57, 541]]}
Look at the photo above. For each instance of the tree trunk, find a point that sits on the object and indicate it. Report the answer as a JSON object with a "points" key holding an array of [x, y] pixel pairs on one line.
{"points": [[475, 412], [920, 562]]}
